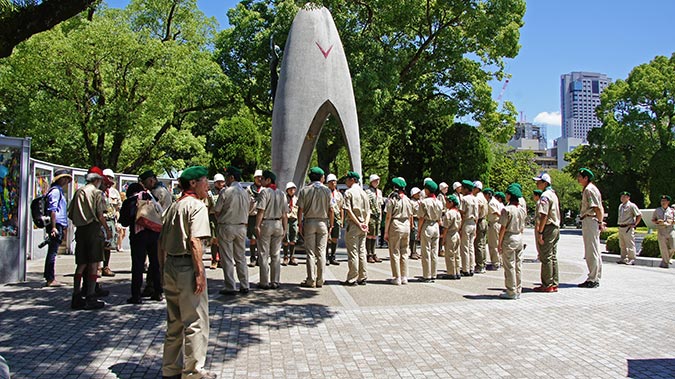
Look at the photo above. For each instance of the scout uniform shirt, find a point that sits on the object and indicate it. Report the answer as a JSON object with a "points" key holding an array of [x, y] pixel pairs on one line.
{"points": [[513, 219], [430, 210], [627, 214], [253, 192], [469, 208], [162, 195], [590, 198], [233, 205], [376, 201], [358, 201], [548, 205], [292, 207], [187, 218], [86, 205], [668, 216], [494, 211], [452, 221], [273, 203], [337, 202], [399, 207], [482, 205], [314, 200]]}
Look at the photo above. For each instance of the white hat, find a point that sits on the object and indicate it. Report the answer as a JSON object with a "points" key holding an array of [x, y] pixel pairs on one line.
{"points": [[290, 185], [414, 191], [108, 172], [374, 177], [331, 177], [544, 177], [218, 178], [257, 173], [456, 185], [478, 184], [426, 180], [443, 185]]}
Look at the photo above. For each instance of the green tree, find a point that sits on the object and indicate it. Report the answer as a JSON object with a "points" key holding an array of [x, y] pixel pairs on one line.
{"points": [[568, 190], [236, 141], [511, 166]]}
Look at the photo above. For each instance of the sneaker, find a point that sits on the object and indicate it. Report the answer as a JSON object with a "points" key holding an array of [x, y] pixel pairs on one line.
{"points": [[404, 280], [507, 296], [284, 262], [348, 283], [93, 303], [107, 272], [464, 273], [361, 282], [77, 302], [545, 289], [631, 262], [293, 262], [589, 284], [396, 281], [479, 270]]}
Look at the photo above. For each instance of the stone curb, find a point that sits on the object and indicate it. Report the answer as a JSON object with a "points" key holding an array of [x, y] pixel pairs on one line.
{"points": [[639, 261]]}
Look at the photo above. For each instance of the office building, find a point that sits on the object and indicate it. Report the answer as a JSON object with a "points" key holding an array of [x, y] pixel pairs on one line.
{"points": [[579, 96]]}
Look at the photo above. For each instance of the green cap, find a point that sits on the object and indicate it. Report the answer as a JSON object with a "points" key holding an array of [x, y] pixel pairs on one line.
{"points": [[518, 185], [317, 171], [625, 193], [488, 190], [194, 173], [514, 190], [501, 195], [147, 174], [232, 170], [267, 174], [666, 197], [454, 199], [587, 172], [431, 185], [353, 175], [467, 183], [538, 192], [399, 182]]}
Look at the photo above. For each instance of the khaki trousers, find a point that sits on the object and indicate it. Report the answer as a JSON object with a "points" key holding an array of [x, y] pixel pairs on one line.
{"points": [[269, 243], [512, 259], [548, 255], [479, 243], [315, 233], [355, 239], [187, 319], [429, 245], [232, 245], [627, 243], [399, 235], [452, 259], [493, 241], [666, 238], [591, 234], [466, 236]]}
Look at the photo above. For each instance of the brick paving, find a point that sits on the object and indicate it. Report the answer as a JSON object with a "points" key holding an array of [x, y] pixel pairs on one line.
{"points": [[454, 329]]}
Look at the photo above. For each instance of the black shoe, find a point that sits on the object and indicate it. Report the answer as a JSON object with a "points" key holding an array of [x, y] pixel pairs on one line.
{"points": [[361, 282], [77, 302], [457, 277], [134, 300], [334, 262], [157, 297], [464, 273], [147, 291], [348, 284], [589, 284], [92, 303], [244, 291], [227, 292], [471, 273]]}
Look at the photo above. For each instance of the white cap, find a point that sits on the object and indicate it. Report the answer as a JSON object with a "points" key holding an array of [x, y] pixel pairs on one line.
{"points": [[544, 177], [414, 191], [426, 180], [456, 185], [218, 178], [108, 172], [443, 185], [478, 184], [331, 177], [257, 173], [290, 185], [374, 177]]}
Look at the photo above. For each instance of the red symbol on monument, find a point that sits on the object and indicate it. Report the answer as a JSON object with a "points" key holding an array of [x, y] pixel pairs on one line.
{"points": [[324, 52]]}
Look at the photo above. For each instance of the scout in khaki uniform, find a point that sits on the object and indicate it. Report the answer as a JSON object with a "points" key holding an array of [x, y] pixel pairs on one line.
{"points": [[494, 212], [628, 219], [337, 203], [429, 216], [591, 214], [185, 228], [452, 223], [357, 212], [397, 227], [512, 220], [86, 210], [315, 217], [442, 199], [664, 218], [547, 229], [253, 191], [162, 194], [415, 201], [481, 227], [218, 186], [469, 211], [376, 201], [292, 228], [232, 213], [270, 228], [536, 196]]}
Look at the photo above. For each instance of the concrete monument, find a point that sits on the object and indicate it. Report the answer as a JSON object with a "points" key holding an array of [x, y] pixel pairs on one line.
{"points": [[314, 83]]}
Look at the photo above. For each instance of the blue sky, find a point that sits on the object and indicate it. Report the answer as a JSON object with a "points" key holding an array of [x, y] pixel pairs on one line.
{"points": [[561, 36]]}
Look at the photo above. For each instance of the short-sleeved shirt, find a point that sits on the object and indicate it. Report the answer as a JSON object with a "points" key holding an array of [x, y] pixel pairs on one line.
{"points": [[469, 208], [233, 205], [399, 207], [376, 201], [548, 205], [162, 195], [494, 210], [253, 192], [628, 213], [358, 202], [415, 207], [667, 215], [452, 221], [58, 204], [337, 202], [590, 198], [482, 205], [86, 205], [314, 200], [185, 219], [292, 202], [513, 219], [273, 203], [430, 209]]}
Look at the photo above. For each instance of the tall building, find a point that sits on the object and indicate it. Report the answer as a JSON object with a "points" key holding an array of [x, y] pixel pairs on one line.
{"points": [[579, 96]]}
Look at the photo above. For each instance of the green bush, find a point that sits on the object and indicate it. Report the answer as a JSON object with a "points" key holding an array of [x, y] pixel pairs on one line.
{"points": [[608, 232], [650, 246], [612, 244]]}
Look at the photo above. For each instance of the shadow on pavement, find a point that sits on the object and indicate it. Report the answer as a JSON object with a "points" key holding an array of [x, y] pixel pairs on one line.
{"points": [[651, 368], [481, 297]]}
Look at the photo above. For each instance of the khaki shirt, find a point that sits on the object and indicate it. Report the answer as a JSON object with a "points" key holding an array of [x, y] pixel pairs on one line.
{"points": [[399, 207], [292, 204], [233, 205], [482, 205], [469, 208], [452, 221], [358, 202], [163, 196], [185, 219], [272, 203], [667, 215], [513, 219], [87, 204], [628, 213], [548, 205], [314, 200], [253, 192], [590, 198], [430, 209], [337, 202], [376, 201], [494, 211]]}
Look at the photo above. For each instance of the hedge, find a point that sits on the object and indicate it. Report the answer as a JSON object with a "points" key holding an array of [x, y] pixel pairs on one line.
{"points": [[650, 246], [608, 232], [612, 244]]}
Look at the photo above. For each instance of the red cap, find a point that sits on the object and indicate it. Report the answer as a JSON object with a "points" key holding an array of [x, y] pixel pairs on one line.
{"points": [[95, 170]]}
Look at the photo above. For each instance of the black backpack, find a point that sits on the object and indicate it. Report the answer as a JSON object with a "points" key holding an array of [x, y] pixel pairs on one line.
{"points": [[39, 212]]}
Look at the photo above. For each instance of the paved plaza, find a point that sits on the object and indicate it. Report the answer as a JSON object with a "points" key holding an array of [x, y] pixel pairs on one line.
{"points": [[455, 329]]}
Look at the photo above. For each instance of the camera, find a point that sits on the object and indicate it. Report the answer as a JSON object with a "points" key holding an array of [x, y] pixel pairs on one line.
{"points": [[44, 243]]}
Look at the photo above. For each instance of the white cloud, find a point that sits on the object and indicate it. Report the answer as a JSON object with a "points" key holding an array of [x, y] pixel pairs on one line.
{"points": [[548, 118]]}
